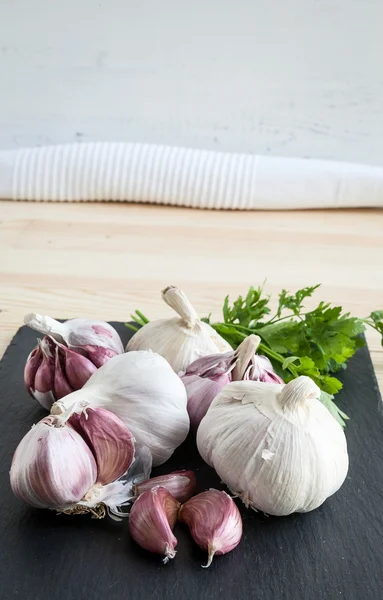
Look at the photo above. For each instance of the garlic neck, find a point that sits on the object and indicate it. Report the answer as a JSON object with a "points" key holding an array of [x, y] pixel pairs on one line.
{"points": [[296, 392], [45, 324], [177, 300], [76, 402], [244, 354]]}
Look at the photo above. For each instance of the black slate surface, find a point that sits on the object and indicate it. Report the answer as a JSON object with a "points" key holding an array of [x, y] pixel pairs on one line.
{"points": [[334, 552]]}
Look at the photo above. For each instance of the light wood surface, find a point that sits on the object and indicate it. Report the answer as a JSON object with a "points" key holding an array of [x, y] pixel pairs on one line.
{"points": [[105, 260]]}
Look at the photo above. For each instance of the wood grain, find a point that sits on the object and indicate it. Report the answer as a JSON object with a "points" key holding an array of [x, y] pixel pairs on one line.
{"points": [[106, 260]]}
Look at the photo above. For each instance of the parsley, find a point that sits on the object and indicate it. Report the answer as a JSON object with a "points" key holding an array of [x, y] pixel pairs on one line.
{"points": [[317, 343]]}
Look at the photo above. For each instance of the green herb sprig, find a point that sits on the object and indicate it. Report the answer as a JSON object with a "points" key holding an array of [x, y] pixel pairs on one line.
{"points": [[316, 343]]}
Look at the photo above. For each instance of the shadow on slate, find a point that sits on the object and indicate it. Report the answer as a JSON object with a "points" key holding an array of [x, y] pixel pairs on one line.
{"points": [[334, 552]]}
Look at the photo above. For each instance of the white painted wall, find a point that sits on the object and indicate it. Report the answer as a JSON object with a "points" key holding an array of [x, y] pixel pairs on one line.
{"points": [[281, 77]]}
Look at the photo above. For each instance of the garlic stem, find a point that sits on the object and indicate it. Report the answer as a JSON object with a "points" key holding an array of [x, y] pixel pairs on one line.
{"points": [[177, 300], [45, 324], [211, 551], [297, 391], [244, 354]]}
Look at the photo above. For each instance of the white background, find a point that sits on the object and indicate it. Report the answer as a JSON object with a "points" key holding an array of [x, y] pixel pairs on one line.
{"points": [[281, 77]]}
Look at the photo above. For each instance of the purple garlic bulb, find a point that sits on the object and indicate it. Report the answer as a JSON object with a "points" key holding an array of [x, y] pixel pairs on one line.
{"points": [[206, 376], [82, 335], [53, 370]]}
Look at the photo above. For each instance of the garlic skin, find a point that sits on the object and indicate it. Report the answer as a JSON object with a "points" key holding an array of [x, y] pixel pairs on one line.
{"points": [[181, 484], [110, 441], [181, 340], [276, 446], [77, 333], [52, 466], [214, 521], [152, 519], [145, 393]]}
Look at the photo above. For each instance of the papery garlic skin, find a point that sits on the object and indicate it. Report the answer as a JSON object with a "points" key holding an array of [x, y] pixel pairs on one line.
{"points": [[110, 441], [274, 445], [181, 484], [52, 466], [77, 333], [145, 393], [152, 519], [181, 340], [214, 522]]}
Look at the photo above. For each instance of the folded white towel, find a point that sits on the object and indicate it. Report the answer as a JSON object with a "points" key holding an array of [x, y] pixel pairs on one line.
{"points": [[185, 177]]}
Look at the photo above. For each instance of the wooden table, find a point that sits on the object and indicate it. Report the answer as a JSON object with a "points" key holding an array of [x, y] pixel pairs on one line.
{"points": [[105, 260]]}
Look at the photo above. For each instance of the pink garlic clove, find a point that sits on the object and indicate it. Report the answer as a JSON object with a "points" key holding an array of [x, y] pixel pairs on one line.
{"points": [[109, 439], [204, 379], [78, 369], [261, 369], [96, 354], [181, 484], [201, 393], [33, 362], [214, 521], [44, 378], [52, 466], [212, 366], [152, 519], [61, 385]]}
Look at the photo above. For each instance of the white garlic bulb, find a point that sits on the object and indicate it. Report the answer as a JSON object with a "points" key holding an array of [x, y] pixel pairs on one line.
{"points": [[142, 389], [181, 340], [274, 445]]}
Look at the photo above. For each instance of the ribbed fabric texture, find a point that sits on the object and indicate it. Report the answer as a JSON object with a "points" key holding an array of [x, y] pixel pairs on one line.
{"points": [[135, 172], [184, 177]]}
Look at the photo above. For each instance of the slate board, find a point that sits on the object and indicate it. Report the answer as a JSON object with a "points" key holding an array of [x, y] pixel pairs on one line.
{"points": [[334, 552]]}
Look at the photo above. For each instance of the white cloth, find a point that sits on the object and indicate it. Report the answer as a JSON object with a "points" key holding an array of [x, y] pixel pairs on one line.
{"points": [[184, 177]]}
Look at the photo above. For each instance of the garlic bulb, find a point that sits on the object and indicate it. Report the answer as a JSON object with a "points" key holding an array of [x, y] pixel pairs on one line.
{"points": [[74, 467], [182, 339], [82, 335], [276, 446], [52, 466], [144, 392], [206, 376]]}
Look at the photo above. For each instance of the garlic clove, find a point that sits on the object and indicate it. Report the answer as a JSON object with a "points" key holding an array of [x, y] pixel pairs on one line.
{"points": [[96, 354], [261, 369], [152, 519], [213, 366], [78, 369], [52, 466], [109, 439], [181, 484], [34, 360], [61, 385], [201, 393], [214, 521], [203, 380], [44, 378], [77, 332], [182, 339]]}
